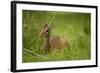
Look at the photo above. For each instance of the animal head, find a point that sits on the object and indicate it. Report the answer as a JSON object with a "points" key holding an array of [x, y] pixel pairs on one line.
{"points": [[45, 31]]}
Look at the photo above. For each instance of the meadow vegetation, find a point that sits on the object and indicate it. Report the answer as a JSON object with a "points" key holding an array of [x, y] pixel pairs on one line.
{"points": [[75, 27]]}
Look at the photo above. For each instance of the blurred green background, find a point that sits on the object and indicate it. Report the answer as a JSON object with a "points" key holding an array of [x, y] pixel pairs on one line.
{"points": [[75, 27]]}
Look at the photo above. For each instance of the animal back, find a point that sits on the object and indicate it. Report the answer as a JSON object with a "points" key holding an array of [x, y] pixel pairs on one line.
{"points": [[57, 43]]}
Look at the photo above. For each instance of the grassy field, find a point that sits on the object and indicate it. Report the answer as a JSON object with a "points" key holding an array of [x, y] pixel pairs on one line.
{"points": [[75, 27]]}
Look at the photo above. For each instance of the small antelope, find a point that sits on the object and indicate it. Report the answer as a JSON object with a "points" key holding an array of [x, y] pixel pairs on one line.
{"points": [[52, 43]]}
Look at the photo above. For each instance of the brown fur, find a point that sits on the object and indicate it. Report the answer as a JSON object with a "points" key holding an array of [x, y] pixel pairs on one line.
{"points": [[52, 43]]}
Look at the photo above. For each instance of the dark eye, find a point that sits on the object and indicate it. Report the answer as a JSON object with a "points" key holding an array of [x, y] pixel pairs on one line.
{"points": [[46, 31]]}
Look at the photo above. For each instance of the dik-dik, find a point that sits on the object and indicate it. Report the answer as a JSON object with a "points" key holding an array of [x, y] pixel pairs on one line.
{"points": [[51, 43]]}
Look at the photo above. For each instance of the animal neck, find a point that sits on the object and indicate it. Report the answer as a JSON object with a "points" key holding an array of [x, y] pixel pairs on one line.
{"points": [[47, 42]]}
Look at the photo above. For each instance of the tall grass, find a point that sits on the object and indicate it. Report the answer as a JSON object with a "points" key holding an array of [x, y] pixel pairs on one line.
{"points": [[75, 27]]}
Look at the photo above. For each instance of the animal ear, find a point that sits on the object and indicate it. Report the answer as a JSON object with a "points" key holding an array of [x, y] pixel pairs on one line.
{"points": [[44, 24]]}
